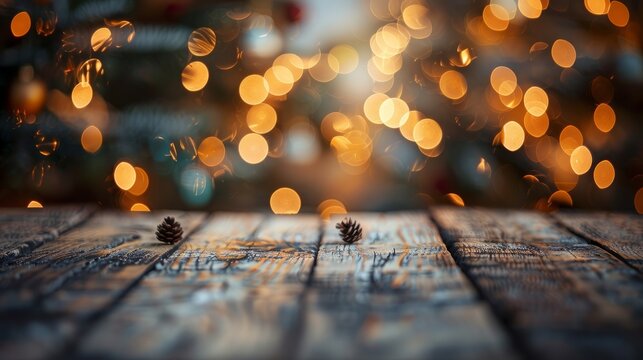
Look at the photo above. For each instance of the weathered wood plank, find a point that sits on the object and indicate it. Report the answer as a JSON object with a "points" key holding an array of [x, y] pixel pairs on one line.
{"points": [[396, 294], [47, 294], [22, 230], [565, 298], [231, 291], [621, 234]]}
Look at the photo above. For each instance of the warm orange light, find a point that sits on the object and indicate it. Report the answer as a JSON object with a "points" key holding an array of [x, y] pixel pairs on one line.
{"points": [[372, 107], [427, 134], [560, 198], [581, 160], [261, 118], [410, 119], [530, 9], [202, 41], [285, 201], [570, 138], [597, 7], [513, 136], [492, 21], [292, 62], [141, 183], [280, 80], [82, 94], [101, 39], [195, 76], [139, 207], [253, 89], [618, 14], [330, 207], [604, 174], [392, 112], [347, 58], [326, 69], [453, 85], [253, 148], [638, 201], [503, 80], [33, 204], [536, 126], [455, 199], [211, 151], [20, 24], [536, 101], [604, 117], [563, 53], [124, 175], [91, 139]]}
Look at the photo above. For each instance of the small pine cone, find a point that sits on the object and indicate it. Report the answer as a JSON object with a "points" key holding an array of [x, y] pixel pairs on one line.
{"points": [[350, 230], [169, 231]]}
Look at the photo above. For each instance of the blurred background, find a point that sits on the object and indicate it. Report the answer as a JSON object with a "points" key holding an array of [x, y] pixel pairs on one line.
{"points": [[322, 105]]}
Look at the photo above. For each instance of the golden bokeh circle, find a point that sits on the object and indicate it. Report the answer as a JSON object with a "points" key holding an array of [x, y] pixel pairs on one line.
{"points": [[211, 151], [195, 76], [604, 174], [91, 139], [253, 148], [261, 118], [202, 41], [285, 201], [124, 175], [20, 24]]}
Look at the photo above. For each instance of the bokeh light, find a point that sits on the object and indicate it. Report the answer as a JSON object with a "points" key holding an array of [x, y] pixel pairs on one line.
{"points": [[536, 101], [261, 118], [503, 80], [513, 136], [604, 174], [202, 41], [453, 85], [253, 148], [124, 175], [101, 39], [563, 53], [195, 76], [285, 201], [82, 95], [91, 139], [20, 24], [211, 151], [618, 14], [139, 207], [141, 183], [253, 89], [33, 204], [581, 160], [604, 117], [427, 134]]}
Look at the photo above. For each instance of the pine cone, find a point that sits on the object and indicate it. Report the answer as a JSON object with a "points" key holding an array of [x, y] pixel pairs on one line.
{"points": [[350, 230], [169, 231]]}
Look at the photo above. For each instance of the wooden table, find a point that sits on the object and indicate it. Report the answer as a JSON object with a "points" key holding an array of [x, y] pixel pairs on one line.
{"points": [[457, 283]]}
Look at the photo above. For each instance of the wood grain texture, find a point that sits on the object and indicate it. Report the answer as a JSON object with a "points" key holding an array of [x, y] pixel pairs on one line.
{"points": [[22, 230], [621, 234], [231, 291], [46, 294], [395, 294], [564, 297]]}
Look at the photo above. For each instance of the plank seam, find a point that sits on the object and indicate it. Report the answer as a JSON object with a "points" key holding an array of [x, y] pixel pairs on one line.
{"points": [[556, 220], [69, 349], [296, 334], [517, 344]]}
